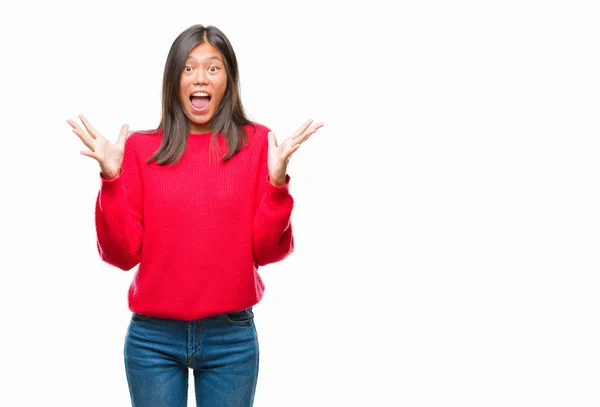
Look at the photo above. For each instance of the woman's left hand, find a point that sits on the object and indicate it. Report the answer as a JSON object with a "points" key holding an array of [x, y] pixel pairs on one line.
{"points": [[279, 154]]}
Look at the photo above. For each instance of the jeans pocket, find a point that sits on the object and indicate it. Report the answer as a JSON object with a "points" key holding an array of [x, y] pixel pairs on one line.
{"points": [[239, 318]]}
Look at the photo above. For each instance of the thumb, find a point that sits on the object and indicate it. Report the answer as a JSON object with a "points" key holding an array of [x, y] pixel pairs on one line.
{"points": [[272, 139], [123, 134]]}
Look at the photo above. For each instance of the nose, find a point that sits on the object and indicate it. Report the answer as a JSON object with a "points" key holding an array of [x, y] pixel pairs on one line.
{"points": [[200, 77]]}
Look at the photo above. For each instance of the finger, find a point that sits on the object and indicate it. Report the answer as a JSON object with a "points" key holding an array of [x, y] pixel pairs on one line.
{"points": [[306, 135], [88, 126], [88, 154], [291, 151], [318, 125], [272, 139], [302, 129], [74, 125], [123, 135], [312, 130], [84, 137]]}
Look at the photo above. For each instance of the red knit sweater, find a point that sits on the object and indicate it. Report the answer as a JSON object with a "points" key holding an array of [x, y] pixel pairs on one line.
{"points": [[199, 229]]}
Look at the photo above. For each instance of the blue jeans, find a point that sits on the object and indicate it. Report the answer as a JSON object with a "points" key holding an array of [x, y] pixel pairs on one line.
{"points": [[222, 350]]}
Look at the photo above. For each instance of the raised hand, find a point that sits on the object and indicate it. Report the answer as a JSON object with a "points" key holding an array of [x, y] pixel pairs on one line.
{"points": [[108, 155], [279, 154]]}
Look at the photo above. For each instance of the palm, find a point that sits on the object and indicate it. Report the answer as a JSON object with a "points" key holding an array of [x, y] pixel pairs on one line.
{"points": [[279, 154], [108, 155]]}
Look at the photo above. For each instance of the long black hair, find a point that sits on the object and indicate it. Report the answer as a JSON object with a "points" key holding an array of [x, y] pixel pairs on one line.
{"points": [[229, 119]]}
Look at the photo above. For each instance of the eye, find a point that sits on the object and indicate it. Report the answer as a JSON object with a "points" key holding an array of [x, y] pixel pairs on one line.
{"points": [[187, 68], [213, 69]]}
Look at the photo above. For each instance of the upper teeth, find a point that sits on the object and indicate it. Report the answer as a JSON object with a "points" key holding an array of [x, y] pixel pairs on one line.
{"points": [[200, 94]]}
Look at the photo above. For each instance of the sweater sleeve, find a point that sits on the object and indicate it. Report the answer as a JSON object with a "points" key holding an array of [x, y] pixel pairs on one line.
{"points": [[119, 221], [272, 236]]}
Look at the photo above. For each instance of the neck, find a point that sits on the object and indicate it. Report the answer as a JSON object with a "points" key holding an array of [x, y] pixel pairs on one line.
{"points": [[200, 128]]}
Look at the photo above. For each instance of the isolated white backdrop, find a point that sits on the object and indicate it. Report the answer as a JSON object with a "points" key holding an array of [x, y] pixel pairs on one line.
{"points": [[446, 216]]}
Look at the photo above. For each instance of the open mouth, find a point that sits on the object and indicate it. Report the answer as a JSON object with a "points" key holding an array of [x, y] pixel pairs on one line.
{"points": [[200, 101]]}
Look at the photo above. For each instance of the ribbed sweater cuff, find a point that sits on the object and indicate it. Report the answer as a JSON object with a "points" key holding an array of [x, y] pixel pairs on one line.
{"points": [[279, 193], [110, 187]]}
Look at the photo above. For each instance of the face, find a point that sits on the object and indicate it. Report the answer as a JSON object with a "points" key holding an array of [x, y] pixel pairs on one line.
{"points": [[202, 86]]}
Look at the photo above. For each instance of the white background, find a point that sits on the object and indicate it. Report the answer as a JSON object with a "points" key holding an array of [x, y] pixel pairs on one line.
{"points": [[447, 215]]}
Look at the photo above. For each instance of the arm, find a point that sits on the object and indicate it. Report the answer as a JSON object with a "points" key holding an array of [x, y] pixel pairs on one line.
{"points": [[272, 234], [119, 221], [272, 238]]}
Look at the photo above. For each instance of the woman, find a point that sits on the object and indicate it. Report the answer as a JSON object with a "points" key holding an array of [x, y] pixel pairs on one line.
{"points": [[200, 204]]}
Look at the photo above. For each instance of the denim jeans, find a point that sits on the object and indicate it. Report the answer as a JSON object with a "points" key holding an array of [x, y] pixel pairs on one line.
{"points": [[222, 351]]}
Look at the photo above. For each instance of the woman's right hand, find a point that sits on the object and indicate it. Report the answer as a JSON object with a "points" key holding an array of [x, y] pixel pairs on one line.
{"points": [[108, 155]]}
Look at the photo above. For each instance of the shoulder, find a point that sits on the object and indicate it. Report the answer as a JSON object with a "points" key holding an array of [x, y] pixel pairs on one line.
{"points": [[257, 133], [140, 145], [141, 136], [141, 139]]}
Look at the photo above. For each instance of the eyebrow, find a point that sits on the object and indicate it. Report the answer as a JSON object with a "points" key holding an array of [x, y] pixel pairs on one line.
{"points": [[212, 57]]}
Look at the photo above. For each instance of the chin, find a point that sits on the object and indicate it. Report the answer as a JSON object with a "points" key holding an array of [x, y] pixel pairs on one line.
{"points": [[199, 121]]}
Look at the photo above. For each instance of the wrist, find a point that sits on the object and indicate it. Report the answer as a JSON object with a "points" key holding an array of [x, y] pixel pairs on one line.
{"points": [[279, 181], [108, 175]]}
